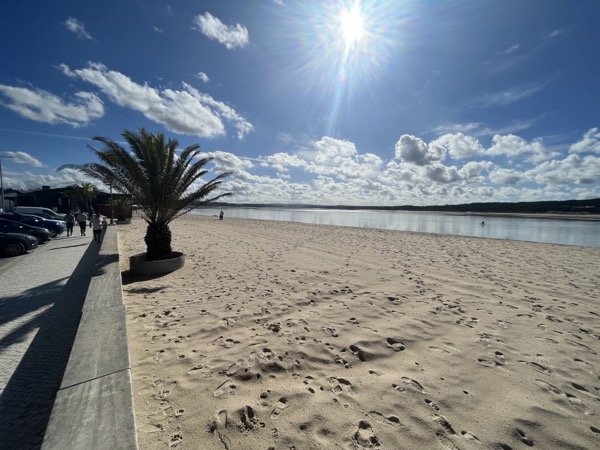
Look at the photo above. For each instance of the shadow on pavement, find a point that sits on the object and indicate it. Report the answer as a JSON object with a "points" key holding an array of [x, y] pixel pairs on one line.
{"points": [[55, 311]]}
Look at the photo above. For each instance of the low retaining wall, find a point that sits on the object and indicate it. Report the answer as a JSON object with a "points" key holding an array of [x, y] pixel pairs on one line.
{"points": [[94, 406]]}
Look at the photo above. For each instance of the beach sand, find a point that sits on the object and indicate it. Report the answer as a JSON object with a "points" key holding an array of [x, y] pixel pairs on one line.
{"points": [[279, 335]]}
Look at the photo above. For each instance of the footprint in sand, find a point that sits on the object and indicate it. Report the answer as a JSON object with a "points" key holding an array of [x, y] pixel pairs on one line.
{"points": [[432, 404], [365, 437], [339, 385], [225, 389], [414, 384], [279, 407], [487, 362], [355, 349], [330, 331], [176, 440], [248, 419], [523, 437], [391, 420], [433, 348], [535, 366], [227, 343], [500, 359], [576, 403], [469, 436], [394, 344]]}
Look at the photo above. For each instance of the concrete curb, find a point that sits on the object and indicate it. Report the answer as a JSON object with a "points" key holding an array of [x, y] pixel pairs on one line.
{"points": [[94, 406]]}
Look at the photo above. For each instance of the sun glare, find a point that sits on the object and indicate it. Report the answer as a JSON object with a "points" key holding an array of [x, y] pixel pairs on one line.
{"points": [[352, 25]]}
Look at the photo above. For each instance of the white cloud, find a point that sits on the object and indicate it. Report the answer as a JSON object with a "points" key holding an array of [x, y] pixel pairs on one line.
{"points": [[511, 49], [572, 169], [554, 33], [511, 145], [185, 111], [589, 143], [478, 129], [509, 177], [414, 150], [458, 145], [42, 106], [23, 158], [509, 96], [77, 27], [230, 36], [203, 77], [158, 30]]}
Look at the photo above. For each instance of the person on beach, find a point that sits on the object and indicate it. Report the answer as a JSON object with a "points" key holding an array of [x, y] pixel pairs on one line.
{"points": [[221, 214], [482, 223], [97, 224], [70, 221], [82, 221]]}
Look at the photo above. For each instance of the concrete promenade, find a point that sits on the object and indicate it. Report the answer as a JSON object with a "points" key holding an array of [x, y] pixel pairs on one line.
{"points": [[41, 299]]}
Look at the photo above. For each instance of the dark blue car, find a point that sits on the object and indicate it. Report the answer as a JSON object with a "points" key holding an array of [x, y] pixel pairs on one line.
{"points": [[10, 226], [55, 227], [13, 244]]}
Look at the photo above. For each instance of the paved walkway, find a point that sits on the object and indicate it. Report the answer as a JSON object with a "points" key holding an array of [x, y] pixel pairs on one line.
{"points": [[41, 297]]}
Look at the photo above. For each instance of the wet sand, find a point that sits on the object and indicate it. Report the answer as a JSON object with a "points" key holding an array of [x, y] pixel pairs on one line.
{"points": [[280, 335]]}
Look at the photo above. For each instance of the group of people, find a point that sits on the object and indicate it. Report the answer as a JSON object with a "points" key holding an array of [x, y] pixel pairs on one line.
{"points": [[95, 220]]}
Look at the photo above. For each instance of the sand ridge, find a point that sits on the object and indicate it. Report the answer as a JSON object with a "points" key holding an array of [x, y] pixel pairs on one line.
{"points": [[280, 335]]}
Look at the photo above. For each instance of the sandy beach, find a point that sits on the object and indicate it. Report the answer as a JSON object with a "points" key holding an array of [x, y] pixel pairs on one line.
{"points": [[289, 336]]}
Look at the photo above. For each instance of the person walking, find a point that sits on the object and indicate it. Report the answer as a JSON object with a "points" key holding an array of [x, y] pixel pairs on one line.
{"points": [[70, 221], [97, 223], [82, 221]]}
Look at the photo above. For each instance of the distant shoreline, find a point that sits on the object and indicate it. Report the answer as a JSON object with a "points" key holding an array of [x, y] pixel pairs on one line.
{"points": [[523, 215]]}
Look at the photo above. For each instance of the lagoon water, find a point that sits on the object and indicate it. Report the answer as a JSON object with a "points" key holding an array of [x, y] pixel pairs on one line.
{"points": [[569, 232]]}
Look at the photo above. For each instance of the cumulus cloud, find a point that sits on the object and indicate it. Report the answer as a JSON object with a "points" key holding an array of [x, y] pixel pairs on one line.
{"points": [[24, 158], [589, 143], [511, 145], [571, 169], [414, 150], [77, 27], [42, 106], [185, 111], [230, 36], [458, 145], [509, 177]]}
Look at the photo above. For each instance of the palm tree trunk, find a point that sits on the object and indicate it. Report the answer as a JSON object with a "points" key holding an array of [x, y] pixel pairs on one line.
{"points": [[158, 241]]}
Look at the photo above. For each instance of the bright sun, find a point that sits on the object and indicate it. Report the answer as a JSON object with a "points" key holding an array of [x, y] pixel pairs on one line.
{"points": [[352, 26]]}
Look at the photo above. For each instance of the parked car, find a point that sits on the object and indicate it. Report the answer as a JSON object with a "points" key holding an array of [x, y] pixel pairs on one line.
{"points": [[42, 214], [10, 226], [13, 244], [54, 226], [38, 211]]}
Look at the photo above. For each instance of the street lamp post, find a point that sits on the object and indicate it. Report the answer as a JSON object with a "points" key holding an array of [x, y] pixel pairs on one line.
{"points": [[2, 182], [112, 216]]}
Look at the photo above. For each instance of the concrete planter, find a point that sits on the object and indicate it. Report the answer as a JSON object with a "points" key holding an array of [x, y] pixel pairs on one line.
{"points": [[138, 264]]}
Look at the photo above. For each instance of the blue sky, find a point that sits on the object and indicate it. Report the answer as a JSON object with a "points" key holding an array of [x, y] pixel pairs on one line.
{"points": [[329, 102]]}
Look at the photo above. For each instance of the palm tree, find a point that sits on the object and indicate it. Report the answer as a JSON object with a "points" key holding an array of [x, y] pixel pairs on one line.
{"points": [[84, 194], [162, 184], [121, 204]]}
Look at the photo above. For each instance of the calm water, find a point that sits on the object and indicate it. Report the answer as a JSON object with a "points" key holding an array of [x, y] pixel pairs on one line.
{"points": [[570, 232]]}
